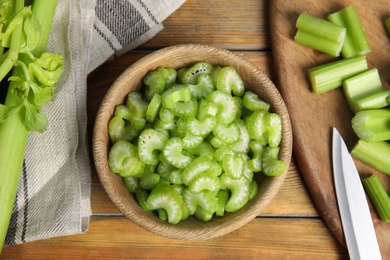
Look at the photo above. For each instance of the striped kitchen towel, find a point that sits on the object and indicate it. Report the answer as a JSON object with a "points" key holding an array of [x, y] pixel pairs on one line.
{"points": [[54, 191]]}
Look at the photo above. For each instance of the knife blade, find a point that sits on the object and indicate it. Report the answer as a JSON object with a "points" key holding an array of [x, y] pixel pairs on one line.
{"points": [[355, 214]]}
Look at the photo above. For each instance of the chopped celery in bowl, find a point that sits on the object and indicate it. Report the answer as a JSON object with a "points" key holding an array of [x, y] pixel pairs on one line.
{"points": [[192, 142]]}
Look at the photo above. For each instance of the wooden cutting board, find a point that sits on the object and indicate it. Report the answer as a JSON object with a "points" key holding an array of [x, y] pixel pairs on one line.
{"points": [[314, 115]]}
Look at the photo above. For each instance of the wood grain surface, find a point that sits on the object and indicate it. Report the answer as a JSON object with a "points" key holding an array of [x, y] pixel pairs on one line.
{"points": [[290, 227], [314, 115]]}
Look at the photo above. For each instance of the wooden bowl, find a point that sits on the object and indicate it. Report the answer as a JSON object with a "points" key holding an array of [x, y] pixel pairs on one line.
{"points": [[131, 80]]}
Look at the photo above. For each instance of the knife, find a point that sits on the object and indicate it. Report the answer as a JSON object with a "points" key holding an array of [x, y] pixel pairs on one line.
{"points": [[356, 219]]}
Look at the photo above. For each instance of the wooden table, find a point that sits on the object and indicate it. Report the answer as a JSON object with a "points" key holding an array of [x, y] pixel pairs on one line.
{"points": [[289, 228]]}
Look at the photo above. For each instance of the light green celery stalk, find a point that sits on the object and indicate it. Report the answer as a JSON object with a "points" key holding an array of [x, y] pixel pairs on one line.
{"points": [[381, 200], [23, 104], [355, 42], [319, 34], [331, 75], [376, 154], [365, 91]]}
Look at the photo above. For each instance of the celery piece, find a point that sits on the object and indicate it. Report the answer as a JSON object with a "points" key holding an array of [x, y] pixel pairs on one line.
{"points": [[154, 82], [320, 34], [205, 181], [226, 106], [331, 75], [365, 91], [233, 165], [229, 134], [355, 42], [381, 200], [150, 141], [120, 129], [255, 163], [230, 81], [252, 102], [256, 126], [124, 112], [272, 166], [201, 127], [154, 107], [173, 153], [387, 24], [123, 159], [131, 183], [372, 125], [190, 75], [186, 109], [376, 154], [166, 197], [239, 192], [136, 104]]}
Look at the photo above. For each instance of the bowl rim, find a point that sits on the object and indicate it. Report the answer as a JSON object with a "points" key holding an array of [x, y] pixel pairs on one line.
{"points": [[189, 229]]}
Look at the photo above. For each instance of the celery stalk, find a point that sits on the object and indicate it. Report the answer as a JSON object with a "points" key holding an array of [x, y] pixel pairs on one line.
{"points": [[379, 196], [355, 42], [319, 34], [372, 125], [13, 131], [365, 91], [331, 75], [376, 154]]}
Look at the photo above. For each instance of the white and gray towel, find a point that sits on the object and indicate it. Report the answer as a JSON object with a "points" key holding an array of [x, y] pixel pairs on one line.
{"points": [[55, 186]]}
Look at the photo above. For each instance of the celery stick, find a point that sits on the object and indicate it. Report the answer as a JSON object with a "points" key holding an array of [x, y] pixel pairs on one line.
{"points": [[379, 196], [355, 39], [372, 125], [13, 131], [376, 154], [331, 75], [319, 34], [359, 90]]}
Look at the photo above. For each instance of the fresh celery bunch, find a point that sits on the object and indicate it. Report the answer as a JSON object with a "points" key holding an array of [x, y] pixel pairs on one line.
{"points": [[23, 38]]}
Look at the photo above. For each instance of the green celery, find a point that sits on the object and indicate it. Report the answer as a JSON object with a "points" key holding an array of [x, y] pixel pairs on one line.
{"points": [[361, 91], [355, 42], [331, 75], [320, 34], [372, 125], [376, 154], [13, 131], [381, 200]]}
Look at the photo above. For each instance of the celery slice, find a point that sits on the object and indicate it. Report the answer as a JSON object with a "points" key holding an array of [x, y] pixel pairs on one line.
{"points": [[154, 82], [331, 75], [150, 142], [173, 153], [230, 81], [223, 197], [166, 197], [372, 125], [136, 104], [205, 181], [203, 87], [239, 192], [355, 42], [149, 179], [376, 154], [381, 200], [252, 102], [153, 109], [190, 75], [123, 159], [320, 34]]}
